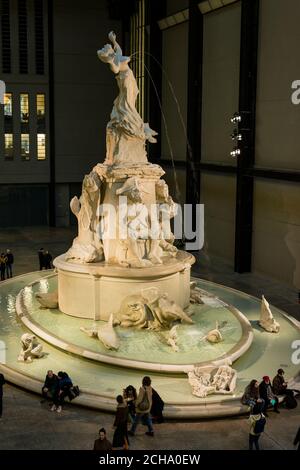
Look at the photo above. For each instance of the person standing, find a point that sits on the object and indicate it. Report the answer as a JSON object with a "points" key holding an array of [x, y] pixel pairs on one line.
{"points": [[266, 393], [102, 444], [9, 263], [142, 407], [3, 260], [130, 396], [48, 260], [41, 255], [257, 425], [2, 382], [120, 439]]}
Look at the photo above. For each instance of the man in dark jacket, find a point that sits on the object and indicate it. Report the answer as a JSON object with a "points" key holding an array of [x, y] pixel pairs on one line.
{"points": [[280, 385], [2, 382], [266, 393], [9, 263], [48, 260], [50, 386]]}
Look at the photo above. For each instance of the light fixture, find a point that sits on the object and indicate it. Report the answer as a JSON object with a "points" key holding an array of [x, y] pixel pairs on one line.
{"points": [[235, 135], [235, 152], [236, 118]]}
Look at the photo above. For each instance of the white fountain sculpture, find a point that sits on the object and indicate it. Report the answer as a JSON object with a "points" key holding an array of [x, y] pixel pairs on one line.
{"points": [[124, 243], [31, 348], [210, 380], [267, 321]]}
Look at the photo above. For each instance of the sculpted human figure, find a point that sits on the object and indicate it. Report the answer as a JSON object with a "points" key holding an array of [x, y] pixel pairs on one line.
{"points": [[87, 246], [31, 348], [126, 125]]}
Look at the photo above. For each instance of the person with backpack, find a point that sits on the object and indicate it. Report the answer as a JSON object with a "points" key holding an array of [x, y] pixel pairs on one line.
{"points": [[143, 406], [257, 423]]}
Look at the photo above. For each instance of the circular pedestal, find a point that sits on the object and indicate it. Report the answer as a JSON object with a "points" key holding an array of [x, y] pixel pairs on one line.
{"points": [[96, 290]]}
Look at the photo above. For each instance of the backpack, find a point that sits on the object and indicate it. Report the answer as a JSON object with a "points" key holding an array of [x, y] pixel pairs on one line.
{"points": [[290, 402], [144, 405], [260, 425]]}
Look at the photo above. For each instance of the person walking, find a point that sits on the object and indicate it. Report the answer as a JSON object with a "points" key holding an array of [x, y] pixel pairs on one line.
{"points": [[2, 382], [3, 261], [41, 255], [9, 263], [120, 439], [102, 444], [143, 406], [130, 396], [257, 425], [266, 393]]}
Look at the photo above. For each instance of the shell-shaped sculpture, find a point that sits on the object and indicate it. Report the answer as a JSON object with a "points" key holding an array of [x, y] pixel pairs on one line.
{"points": [[214, 336], [108, 336]]}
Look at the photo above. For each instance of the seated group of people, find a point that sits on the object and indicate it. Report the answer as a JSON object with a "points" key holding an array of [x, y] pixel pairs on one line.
{"points": [[146, 407], [264, 394], [57, 388]]}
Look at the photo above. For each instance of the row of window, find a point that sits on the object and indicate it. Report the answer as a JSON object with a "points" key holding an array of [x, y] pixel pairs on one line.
{"points": [[24, 113], [25, 146], [24, 110], [8, 20]]}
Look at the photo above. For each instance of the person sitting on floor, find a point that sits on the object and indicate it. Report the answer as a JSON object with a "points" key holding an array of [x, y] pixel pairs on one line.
{"points": [[102, 444], [251, 394], [266, 393], [50, 386], [63, 390], [280, 385]]}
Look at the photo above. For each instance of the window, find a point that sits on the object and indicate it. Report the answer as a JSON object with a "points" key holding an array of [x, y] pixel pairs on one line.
{"points": [[40, 112], [8, 146], [5, 36], [25, 146], [24, 105], [8, 122], [39, 36], [23, 47], [41, 146]]}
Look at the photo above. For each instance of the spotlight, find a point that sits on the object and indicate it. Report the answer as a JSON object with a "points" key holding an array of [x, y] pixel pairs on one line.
{"points": [[235, 135], [235, 152], [236, 118]]}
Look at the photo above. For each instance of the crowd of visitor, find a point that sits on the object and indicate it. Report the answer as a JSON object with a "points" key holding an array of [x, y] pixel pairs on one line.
{"points": [[262, 396]]}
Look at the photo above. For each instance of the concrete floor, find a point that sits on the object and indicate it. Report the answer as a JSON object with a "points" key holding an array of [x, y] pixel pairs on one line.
{"points": [[26, 424]]}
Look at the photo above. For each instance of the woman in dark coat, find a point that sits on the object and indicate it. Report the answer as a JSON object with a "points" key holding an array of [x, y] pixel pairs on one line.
{"points": [[120, 439], [130, 396], [157, 407]]}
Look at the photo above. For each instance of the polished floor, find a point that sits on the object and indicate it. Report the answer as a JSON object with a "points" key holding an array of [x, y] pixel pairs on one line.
{"points": [[26, 424]]}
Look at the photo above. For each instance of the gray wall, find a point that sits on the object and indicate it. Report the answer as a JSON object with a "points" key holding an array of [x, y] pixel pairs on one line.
{"points": [[84, 86]]}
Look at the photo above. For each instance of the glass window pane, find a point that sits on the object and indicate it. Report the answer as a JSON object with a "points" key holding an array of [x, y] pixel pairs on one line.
{"points": [[25, 146], [41, 146], [8, 146], [40, 105], [8, 104], [24, 105]]}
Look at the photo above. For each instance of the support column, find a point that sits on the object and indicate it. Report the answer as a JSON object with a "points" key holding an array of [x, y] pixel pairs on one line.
{"points": [[194, 107], [247, 105]]}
